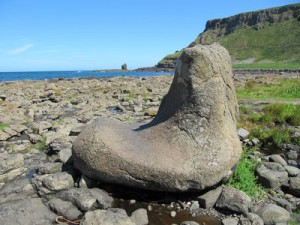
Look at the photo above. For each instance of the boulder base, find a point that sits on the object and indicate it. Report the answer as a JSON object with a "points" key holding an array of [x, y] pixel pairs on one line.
{"points": [[190, 145]]}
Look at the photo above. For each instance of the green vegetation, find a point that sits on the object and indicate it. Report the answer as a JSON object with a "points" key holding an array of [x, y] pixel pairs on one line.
{"points": [[280, 89], [276, 42], [294, 221], [269, 124], [244, 177], [278, 65], [2, 126], [41, 145]]}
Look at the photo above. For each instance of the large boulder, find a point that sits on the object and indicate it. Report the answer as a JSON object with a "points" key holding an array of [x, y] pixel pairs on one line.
{"points": [[191, 144]]}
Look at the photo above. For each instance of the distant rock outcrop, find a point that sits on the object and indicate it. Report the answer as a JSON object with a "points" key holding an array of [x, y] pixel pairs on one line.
{"points": [[124, 66], [191, 144], [258, 35]]}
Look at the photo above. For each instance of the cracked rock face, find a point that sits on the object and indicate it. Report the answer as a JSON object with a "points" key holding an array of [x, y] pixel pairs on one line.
{"points": [[190, 145]]}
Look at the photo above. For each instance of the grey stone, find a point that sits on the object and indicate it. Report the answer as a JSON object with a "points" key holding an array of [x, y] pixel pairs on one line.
{"points": [[107, 217], [272, 214], [76, 130], [4, 136], [11, 166], [243, 134], [292, 162], [65, 156], [233, 200], [140, 217], [209, 199], [59, 144], [49, 167], [292, 155], [26, 212], [64, 208], [283, 203], [278, 159], [194, 205], [88, 199], [229, 221], [292, 171], [191, 144], [255, 141], [58, 181], [272, 175], [254, 219], [294, 187], [17, 189]]}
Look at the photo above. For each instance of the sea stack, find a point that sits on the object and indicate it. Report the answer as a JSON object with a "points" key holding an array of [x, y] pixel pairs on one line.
{"points": [[191, 144]]}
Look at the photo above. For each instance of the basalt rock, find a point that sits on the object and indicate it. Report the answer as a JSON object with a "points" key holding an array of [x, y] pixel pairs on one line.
{"points": [[191, 144]]}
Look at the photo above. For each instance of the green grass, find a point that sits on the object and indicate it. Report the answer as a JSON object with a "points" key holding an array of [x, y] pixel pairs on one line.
{"points": [[276, 42], [41, 145], [2, 126], [281, 89], [244, 178], [270, 123], [278, 65]]}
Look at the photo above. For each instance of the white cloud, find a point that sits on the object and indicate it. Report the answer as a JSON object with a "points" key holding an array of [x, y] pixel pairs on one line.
{"points": [[21, 49]]}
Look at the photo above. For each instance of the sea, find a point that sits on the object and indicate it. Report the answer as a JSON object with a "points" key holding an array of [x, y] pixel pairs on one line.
{"points": [[46, 75]]}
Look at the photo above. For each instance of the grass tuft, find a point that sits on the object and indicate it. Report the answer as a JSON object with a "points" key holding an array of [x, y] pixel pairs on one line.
{"points": [[244, 178], [2, 126]]}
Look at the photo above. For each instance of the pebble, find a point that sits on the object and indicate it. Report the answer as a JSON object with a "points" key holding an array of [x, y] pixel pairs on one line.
{"points": [[173, 214]]}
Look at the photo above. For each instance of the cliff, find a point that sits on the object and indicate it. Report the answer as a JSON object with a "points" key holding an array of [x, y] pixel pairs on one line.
{"points": [[265, 36]]}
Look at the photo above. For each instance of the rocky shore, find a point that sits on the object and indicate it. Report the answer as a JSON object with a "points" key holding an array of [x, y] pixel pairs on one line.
{"points": [[39, 120]]}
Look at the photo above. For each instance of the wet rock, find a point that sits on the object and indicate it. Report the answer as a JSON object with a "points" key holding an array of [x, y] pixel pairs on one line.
{"points": [[233, 200], [49, 167], [58, 181], [273, 214], [64, 208], [229, 221], [26, 212], [278, 159], [140, 217], [209, 199], [272, 175], [191, 144], [243, 134], [88, 199], [107, 217]]}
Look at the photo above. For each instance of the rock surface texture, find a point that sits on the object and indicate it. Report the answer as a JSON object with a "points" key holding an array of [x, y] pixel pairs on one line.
{"points": [[191, 144]]}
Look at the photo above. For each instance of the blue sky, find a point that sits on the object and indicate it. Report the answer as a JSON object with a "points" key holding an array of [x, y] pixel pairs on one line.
{"points": [[42, 35]]}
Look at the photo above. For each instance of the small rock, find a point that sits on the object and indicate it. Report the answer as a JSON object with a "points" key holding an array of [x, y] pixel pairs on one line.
{"points": [[86, 182], [65, 156], [243, 134], [88, 199], [26, 212], [140, 217], [173, 214], [229, 221], [189, 223], [11, 166], [294, 187], [209, 199], [292, 162], [132, 201], [76, 131], [58, 181], [255, 141], [272, 175], [292, 155], [48, 168], [194, 206], [292, 171], [283, 203], [278, 159], [64, 208], [273, 214], [254, 219], [107, 217], [233, 200]]}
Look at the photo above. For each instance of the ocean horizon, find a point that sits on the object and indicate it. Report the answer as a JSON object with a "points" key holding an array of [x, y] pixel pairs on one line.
{"points": [[46, 75]]}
